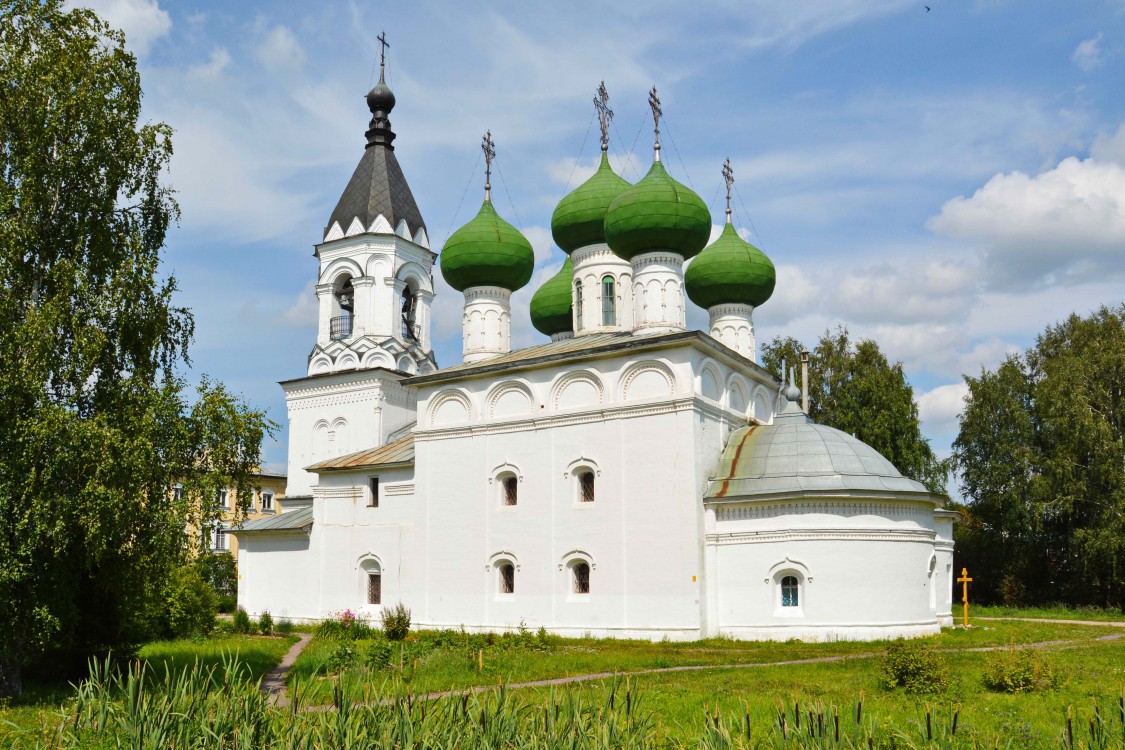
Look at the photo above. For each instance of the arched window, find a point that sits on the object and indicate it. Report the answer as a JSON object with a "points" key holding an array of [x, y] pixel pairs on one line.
{"points": [[506, 578], [790, 591], [609, 302], [585, 486], [577, 304], [509, 489], [409, 315], [372, 580], [580, 572], [340, 326]]}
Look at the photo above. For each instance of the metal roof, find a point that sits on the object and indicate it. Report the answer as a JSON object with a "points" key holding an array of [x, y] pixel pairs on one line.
{"points": [[377, 187], [293, 521], [584, 346], [396, 453], [797, 456]]}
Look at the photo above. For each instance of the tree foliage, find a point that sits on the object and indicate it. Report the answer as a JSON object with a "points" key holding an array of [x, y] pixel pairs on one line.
{"points": [[95, 427], [1041, 460], [853, 388]]}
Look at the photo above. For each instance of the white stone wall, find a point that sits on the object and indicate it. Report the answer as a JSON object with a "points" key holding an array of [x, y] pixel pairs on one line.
{"points": [[340, 413], [863, 567]]}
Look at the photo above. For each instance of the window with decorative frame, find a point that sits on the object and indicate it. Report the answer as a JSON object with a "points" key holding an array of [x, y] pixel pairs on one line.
{"points": [[509, 489], [374, 588], [790, 591]]}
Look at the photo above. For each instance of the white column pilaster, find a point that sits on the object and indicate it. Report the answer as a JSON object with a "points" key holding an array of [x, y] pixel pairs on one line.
{"points": [[487, 323], [658, 293], [324, 327], [733, 326]]}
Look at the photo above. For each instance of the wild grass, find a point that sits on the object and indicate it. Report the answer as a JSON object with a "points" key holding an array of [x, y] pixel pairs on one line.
{"points": [[1054, 612]]}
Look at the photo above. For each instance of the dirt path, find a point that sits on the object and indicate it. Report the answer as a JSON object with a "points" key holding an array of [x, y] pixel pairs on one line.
{"points": [[278, 697], [273, 686]]}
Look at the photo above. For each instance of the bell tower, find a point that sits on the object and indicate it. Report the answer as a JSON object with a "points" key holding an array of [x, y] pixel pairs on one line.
{"points": [[375, 281]]}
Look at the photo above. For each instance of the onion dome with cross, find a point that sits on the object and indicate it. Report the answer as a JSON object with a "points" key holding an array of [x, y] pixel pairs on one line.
{"points": [[488, 251], [658, 214], [730, 270], [551, 306], [579, 219]]}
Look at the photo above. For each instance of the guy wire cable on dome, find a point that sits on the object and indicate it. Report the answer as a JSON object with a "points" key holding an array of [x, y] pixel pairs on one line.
{"points": [[761, 242], [581, 149], [505, 184], [633, 148], [672, 138], [463, 194]]}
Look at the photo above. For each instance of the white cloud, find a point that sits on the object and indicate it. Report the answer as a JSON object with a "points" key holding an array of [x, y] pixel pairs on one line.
{"points": [[216, 64], [1110, 147], [794, 297], [907, 292], [1088, 54], [1064, 225], [792, 24], [143, 21], [305, 310], [279, 50], [541, 242], [939, 407]]}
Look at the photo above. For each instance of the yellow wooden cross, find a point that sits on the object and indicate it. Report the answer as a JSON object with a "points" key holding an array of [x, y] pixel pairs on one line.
{"points": [[964, 580]]}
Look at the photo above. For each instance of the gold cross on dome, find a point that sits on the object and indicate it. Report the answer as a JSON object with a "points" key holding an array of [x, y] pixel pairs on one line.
{"points": [[605, 114]]}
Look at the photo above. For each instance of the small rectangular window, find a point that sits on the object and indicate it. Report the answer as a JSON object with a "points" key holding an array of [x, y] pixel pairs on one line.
{"points": [[374, 588], [178, 493], [586, 487], [507, 579], [511, 490], [224, 499], [267, 501], [373, 500], [220, 539]]}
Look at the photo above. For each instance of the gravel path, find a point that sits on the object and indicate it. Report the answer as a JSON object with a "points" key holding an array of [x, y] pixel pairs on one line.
{"points": [[273, 686]]}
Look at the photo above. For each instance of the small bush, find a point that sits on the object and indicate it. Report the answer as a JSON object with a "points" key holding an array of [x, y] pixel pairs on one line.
{"points": [[378, 655], [241, 621], [190, 604], [1019, 671], [265, 624], [284, 627], [342, 657], [915, 667], [396, 622], [227, 603], [223, 627], [346, 624]]}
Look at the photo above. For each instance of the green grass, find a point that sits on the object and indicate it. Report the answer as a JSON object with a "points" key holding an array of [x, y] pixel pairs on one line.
{"points": [[42, 705], [453, 668], [1054, 612], [259, 654]]}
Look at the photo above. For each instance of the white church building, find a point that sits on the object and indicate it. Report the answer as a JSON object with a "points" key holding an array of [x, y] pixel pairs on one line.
{"points": [[630, 478]]}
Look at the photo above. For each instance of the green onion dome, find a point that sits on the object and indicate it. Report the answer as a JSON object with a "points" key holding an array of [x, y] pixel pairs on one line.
{"points": [[487, 251], [579, 219], [730, 270], [657, 214], [551, 304]]}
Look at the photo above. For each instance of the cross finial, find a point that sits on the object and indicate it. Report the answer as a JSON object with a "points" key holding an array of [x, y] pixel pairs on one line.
{"points": [[657, 113], [605, 114], [728, 178], [488, 146], [383, 51]]}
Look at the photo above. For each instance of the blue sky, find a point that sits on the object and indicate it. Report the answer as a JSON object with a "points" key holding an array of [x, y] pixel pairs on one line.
{"points": [[947, 182]]}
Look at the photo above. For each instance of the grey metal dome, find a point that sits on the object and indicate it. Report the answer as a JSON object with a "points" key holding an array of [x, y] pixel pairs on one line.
{"points": [[795, 457]]}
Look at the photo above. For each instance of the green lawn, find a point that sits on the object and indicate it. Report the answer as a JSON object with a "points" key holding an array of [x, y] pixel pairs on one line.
{"points": [[450, 667], [43, 705], [1057, 612]]}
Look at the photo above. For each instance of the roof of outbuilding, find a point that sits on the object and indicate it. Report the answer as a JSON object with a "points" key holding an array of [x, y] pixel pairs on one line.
{"points": [[795, 456], [293, 521], [396, 453]]}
